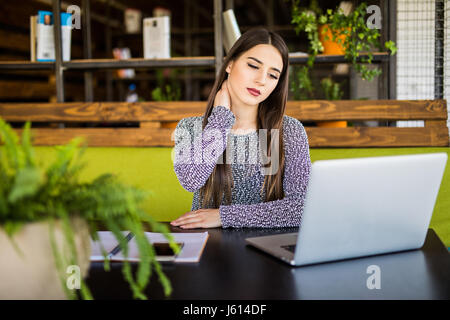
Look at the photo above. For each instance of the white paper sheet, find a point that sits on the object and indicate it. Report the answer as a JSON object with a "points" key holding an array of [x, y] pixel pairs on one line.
{"points": [[194, 243]]}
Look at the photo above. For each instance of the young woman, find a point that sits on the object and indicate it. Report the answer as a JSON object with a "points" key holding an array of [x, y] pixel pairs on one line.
{"points": [[248, 96]]}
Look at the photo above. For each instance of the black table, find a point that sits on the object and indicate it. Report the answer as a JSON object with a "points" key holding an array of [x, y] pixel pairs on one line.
{"points": [[230, 269]]}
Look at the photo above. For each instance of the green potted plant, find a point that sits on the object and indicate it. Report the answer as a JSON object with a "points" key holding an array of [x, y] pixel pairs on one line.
{"points": [[167, 92], [300, 83], [332, 91], [349, 30], [47, 217]]}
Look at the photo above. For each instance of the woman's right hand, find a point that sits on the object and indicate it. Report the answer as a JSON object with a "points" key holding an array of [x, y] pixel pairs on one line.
{"points": [[223, 96]]}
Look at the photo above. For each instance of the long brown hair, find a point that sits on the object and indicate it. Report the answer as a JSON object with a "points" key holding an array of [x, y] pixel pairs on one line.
{"points": [[270, 116]]}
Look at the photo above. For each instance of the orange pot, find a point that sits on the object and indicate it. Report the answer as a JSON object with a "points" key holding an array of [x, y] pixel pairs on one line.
{"points": [[169, 125], [330, 46], [332, 124]]}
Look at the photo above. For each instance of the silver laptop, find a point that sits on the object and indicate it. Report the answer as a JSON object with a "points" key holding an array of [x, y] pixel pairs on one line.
{"points": [[361, 207]]}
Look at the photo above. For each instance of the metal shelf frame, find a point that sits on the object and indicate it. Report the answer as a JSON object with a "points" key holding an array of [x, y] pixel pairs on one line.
{"points": [[206, 61], [89, 65]]}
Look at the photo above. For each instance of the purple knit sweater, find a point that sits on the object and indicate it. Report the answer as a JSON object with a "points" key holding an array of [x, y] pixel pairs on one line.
{"points": [[197, 152]]}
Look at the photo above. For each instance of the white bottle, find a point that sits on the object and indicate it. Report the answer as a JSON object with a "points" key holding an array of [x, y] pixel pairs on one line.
{"points": [[132, 95]]}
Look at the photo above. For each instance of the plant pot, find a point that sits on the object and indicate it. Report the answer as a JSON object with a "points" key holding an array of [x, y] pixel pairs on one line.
{"points": [[34, 275], [330, 46], [332, 124], [169, 124]]}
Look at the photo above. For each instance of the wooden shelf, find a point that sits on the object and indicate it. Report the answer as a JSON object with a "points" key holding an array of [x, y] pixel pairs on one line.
{"points": [[328, 58], [26, 65], [181, 76], [178, 62]]}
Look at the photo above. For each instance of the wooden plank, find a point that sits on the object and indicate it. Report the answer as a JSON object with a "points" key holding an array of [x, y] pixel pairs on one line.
{"points": [[360, 137], [323, 110], [101, 111], [32, 89], [104, 137], [436, 123], [435, 132], [316, 110], [155, 124]]}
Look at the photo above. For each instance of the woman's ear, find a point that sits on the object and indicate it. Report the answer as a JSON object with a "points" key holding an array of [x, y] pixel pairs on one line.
{"points": [[228, 69]]}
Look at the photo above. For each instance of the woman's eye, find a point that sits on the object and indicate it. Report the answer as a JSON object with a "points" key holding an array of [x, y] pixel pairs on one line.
{"points": [[255, 67]]}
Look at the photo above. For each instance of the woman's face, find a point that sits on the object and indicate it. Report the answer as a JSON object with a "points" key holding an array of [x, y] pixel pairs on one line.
{"points": [[258, 68]]}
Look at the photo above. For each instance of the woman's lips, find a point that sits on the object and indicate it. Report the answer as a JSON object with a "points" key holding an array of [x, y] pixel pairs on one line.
{"points": [[253, 92]]}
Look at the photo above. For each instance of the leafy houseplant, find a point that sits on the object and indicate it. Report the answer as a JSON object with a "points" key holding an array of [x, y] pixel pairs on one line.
{"points": [[165, 94], [332, 91], [54, 196], [165, 91], [350, 31], [306, 20], [302, 87], [300, 83]]}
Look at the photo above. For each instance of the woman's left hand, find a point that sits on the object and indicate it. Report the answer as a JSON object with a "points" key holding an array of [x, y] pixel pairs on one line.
{"points": [[202, 218]]}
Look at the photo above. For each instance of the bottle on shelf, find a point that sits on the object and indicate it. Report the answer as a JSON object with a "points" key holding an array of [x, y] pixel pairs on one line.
{"points": [[132, 95]]}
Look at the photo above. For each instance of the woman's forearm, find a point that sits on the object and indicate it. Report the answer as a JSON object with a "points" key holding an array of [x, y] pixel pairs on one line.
{"points": [[197, 151]]}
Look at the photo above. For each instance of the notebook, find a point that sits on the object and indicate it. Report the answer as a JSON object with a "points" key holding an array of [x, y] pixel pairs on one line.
{"points": [[193, 245]]}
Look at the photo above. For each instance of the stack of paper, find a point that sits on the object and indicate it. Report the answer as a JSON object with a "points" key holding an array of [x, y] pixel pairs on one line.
{"points": [[194, 243]]}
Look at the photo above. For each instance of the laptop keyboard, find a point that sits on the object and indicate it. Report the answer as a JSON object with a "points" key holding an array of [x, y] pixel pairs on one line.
{"points": [[290, 248]]}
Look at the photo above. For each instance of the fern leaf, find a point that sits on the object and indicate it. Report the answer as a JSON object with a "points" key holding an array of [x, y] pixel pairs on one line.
{"points": [[26, 183]]}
